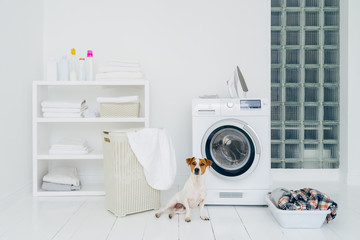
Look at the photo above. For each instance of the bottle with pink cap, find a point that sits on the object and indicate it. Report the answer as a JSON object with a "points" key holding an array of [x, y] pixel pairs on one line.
{"points": [[89, 66]]}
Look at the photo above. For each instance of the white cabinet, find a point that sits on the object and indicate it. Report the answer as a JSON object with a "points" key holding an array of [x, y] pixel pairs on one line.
{"points": [[47, 131]]}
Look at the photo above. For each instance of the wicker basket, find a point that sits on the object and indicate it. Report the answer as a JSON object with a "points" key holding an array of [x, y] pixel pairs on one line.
{"points": [[126, 188], [130, 109]]}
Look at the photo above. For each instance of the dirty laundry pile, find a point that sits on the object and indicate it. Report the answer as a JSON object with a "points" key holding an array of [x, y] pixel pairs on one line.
{"points": [[304, 199]]}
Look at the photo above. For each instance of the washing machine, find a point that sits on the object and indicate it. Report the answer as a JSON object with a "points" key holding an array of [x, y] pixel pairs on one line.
{"points": [[235, 134]]}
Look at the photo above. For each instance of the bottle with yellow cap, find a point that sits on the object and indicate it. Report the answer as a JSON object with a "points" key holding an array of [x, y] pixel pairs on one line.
{"points": [[73, 75]]}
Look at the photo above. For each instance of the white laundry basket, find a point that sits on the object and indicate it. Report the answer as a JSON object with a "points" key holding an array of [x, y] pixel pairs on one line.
{"points": [[298, 218], [126, 188]]}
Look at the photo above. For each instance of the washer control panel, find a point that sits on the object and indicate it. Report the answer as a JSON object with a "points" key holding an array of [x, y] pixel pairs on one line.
{"points": [[230, 107], [254, 103], [230, 104], [236, 106]]}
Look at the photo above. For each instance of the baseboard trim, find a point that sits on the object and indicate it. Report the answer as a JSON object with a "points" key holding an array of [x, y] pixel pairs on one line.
{"points": [[15, 195]]}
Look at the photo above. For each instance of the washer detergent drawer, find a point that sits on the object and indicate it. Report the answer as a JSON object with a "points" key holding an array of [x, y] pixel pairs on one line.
{"points": [[206, 110], [236, 197]]}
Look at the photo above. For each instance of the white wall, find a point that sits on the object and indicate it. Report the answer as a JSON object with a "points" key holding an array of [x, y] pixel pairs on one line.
{"points": [[344, 11], [187, 48], [353, 119], [20, 63]]}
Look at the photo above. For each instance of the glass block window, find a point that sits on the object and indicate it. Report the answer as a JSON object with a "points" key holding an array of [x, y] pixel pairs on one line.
{"points": [[305, 83]]}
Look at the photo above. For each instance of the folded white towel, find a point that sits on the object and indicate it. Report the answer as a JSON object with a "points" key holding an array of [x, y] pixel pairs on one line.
{"points": [[105, 69], [68, 152], [63, 104], [63, 175], [69, 148], [48, 186], [71, 142], [117, 79], [155, 152], [115, 75], [123, 64], [62, 115], [119, 59], [64, 110], [127, 99]]}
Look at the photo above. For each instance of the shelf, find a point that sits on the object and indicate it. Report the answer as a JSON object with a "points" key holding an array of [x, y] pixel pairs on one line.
{"points": [[70, 193], [47, 131], [70, 157], [126, 82], [91, 120], [86, 190]]}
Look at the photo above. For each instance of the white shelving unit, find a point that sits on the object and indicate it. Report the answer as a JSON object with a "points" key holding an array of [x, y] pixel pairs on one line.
{"points": [[47, 131]]}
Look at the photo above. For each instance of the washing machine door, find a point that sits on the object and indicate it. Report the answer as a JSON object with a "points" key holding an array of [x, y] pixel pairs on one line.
{"points": [[233, 147]]}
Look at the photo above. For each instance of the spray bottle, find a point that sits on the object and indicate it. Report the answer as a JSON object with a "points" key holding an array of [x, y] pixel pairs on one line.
{"points": [[89, 66]]}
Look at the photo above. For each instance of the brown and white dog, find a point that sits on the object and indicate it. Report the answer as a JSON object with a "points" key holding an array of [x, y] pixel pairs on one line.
{"points": [[193, 194]]}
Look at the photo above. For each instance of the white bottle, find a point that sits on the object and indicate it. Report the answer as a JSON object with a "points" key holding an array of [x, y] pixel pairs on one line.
{"points": [[64, 69], [51, 70], [82, 72], [73, 76], [89, 66]]}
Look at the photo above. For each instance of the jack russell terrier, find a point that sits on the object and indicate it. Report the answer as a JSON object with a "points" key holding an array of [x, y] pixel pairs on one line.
{"points": [[193, 194]]}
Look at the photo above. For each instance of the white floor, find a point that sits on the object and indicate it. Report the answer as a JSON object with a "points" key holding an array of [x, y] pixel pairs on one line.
{"points": [[86, 218]]}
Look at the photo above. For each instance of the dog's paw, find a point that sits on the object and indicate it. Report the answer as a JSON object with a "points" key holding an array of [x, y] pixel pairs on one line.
{"points": [[157, 215], [187, 219], [205, 218]]}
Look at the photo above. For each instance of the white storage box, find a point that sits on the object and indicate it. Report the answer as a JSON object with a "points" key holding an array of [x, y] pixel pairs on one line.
{"points": [[298, 218], [119, 109], [126, 189], [119, 106]]}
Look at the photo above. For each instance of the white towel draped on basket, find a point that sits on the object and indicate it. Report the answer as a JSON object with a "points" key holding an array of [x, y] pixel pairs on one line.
{"points": [[155, 152]]}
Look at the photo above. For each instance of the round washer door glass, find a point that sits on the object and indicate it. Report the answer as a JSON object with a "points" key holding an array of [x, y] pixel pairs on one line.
{"points": [[231, 149]]}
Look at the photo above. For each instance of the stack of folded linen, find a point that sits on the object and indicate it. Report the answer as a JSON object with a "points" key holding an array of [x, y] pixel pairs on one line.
{"points": [[70, 146], [61, 179], [119, 69], [66, 109]]}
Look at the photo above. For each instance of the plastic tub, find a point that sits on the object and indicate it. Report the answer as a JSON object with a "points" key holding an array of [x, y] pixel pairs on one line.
{"points": [[297, 218]]}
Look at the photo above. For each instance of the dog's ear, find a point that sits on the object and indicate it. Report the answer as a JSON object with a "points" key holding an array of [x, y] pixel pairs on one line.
{"points": [[208, 162], [189, 160]]}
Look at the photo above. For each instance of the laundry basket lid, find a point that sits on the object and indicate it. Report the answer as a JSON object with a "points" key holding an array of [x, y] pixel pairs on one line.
{"points": [[108, 134]]}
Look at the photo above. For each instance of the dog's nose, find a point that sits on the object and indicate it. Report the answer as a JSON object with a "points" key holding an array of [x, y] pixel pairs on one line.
{"points": [[196, 171]]}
